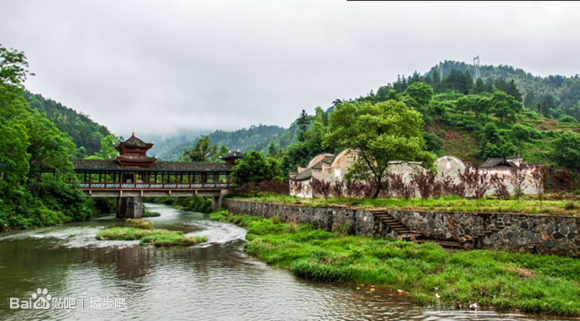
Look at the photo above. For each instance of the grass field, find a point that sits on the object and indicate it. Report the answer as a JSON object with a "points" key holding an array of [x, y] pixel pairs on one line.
{"points": [[531, 283]]}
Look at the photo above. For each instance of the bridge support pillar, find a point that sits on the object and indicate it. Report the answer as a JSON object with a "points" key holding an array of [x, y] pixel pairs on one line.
{"points": [[129, 207], [217, 201]]}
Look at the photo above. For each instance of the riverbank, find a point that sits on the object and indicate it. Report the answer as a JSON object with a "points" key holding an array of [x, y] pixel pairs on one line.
{"points": [[430, 274]]}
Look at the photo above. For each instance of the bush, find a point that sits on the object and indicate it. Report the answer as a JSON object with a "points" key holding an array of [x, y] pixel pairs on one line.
{"points": [[172, 239], [140, 223], [568, 119]]}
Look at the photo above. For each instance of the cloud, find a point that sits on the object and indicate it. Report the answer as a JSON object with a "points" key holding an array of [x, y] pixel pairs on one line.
{"points": [[162, 67]]}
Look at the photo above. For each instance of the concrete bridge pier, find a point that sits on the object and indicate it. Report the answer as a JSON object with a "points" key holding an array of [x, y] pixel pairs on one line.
{"points": [[129, 207], [217, 200]]}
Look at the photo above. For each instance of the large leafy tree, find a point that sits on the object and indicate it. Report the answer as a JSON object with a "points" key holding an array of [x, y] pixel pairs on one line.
{"points": [[421, 93], [567, 150], [505, 106], [13, 67], [476, 104], [383, 132], [107, 150], [254, 168]]}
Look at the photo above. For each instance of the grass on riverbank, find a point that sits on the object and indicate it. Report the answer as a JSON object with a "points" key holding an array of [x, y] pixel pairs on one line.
{"points": [[172, 239], [531, 283], [147, 235], [444, 204]]}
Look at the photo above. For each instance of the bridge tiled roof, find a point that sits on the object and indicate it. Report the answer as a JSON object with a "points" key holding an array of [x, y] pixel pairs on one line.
{"points": [[111, 164]]}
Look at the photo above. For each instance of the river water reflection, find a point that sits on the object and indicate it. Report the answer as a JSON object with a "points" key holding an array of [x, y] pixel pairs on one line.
{"points": [[212, 281]]}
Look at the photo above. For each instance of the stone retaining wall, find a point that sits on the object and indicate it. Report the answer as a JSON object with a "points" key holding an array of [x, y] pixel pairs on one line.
{"points": [[522, 232]]}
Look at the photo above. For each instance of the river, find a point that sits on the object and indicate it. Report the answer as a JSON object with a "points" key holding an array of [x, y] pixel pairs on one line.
{"points": [[121, 280]]}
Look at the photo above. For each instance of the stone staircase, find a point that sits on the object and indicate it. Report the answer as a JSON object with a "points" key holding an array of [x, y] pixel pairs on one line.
{"points": [[463, 241], [394, 224], [406, 233], [473, 240]]}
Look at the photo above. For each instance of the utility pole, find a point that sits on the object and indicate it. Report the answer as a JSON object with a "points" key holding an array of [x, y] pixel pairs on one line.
{"points": [[476, 64]]}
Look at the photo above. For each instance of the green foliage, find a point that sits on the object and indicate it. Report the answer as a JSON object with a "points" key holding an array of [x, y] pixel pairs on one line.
{"points": [[505, 106], [194, 203], [144, 231], [130, 233], [254, 168], [102, 205], [107, 150], [172, 239], [568, 119], [31, 142], [140, 223], [421, 93], [245, 139], [203, 151], [383, 132], [491, 278], [85, 133], [13, 67], [567, 150]]}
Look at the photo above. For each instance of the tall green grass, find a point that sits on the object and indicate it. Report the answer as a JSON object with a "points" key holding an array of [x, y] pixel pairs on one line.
{"points": [[155, 237], [531, 283]]}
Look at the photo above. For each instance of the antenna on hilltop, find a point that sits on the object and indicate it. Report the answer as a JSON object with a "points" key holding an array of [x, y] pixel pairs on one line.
{"points": [[476, 64]]}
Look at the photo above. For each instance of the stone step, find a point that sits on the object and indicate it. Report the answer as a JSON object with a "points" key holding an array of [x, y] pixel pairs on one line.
{"points": [[384, 216], [387, 219]]}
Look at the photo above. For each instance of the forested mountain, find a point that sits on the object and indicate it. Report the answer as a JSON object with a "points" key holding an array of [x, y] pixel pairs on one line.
{"points": [[552, 96], [84, 131], [253, 138], [164, 145]]}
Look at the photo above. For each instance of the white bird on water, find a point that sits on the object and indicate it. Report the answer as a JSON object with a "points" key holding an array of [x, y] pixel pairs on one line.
{"points": [[473, 305]]}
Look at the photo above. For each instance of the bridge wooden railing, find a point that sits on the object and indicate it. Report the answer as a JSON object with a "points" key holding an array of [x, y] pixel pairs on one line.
{"points": [[152, 186]]}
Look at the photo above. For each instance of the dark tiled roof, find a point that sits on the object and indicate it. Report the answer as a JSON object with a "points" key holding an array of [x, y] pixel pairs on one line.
{"points": [[135, 142], [498, 163], [306, 174], [327, 160], [157, 166]]}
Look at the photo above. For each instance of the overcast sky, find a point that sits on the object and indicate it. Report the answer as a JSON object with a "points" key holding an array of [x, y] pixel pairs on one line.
{"points": [[161, 67]]}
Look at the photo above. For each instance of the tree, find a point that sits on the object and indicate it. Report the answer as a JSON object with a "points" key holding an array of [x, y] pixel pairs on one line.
{"points": [[475, 104], [505, 106], [203, 151], [272, 150], [459, 81], [480, 86], [107, 148], [421, 93], [13, 67], [382, 132], [254, 168], [49, 148], [302, 123], [567, 150]]}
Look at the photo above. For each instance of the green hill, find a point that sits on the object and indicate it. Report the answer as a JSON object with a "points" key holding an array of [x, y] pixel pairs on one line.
{"points": [[84, 131], [245, 139]]}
